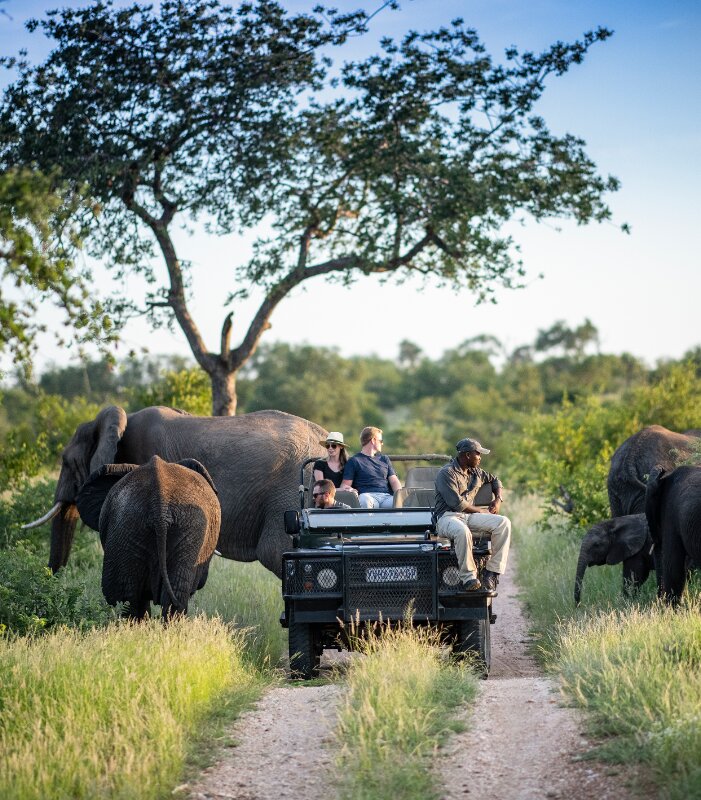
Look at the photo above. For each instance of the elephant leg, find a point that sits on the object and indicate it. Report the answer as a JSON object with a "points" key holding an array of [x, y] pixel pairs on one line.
{"points": [[271, 545], [674, 569], [635, 572]]}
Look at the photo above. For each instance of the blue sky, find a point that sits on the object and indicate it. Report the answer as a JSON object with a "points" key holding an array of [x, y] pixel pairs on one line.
{"points": [[635, 101]]}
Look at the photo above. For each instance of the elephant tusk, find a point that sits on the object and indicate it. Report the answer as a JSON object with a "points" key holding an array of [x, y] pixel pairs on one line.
{"points": [[37, 522]]}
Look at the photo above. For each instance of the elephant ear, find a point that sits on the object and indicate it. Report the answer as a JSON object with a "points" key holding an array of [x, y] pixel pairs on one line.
{"points": [[653, 496], [93, 492], [110, 425], [628, 537], [194, 464]]}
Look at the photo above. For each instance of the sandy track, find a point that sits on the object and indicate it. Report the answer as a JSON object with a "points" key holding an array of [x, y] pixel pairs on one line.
{"points": [[520, 743]]}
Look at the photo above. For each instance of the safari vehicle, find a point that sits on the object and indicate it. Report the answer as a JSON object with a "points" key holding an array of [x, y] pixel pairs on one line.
{"points": [[371, 565]]}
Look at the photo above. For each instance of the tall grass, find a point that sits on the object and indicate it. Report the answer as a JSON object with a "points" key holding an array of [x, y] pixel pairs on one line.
{"points": [[633, 664], [639, 673], [108, 714], [249, 596], [399, 706]]}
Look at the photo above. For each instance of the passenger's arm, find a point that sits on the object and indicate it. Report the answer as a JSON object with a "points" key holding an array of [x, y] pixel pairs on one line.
{"points": [[318, 475], [395, 483]]}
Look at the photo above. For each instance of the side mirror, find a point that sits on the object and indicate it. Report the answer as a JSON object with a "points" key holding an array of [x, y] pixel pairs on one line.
{"points": [[292, 523]]}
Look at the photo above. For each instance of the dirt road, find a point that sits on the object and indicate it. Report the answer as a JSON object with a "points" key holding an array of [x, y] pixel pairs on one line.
{"points": [[520, 743]]}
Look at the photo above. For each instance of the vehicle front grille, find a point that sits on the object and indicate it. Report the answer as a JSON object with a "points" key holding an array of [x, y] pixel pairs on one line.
{"points": [[387, 586]]}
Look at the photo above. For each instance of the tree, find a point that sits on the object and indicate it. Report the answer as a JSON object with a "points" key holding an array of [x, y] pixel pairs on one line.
{"points": [[427, 149], [39, 241], [573, 341]]}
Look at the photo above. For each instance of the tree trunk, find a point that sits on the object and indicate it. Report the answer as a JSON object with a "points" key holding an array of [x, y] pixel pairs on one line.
{"points": [[223, 391]]}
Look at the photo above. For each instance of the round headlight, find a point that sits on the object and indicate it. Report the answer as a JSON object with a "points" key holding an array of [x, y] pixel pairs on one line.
{"points": [[451, 576], [327, 578]]}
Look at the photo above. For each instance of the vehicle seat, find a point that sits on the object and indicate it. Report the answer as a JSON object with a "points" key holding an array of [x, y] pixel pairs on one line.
{"points": [[413, 497], [421, 477], [347, 497], [484, 497]]}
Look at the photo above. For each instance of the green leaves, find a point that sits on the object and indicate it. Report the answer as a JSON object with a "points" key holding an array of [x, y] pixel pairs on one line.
{"points": [[40, 237]]}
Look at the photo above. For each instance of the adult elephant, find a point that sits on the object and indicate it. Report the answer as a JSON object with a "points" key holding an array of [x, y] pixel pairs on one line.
{"points": [[612, 541], [253, 459], [633, 460], [627, 481], [159, 524], [673, 511]]}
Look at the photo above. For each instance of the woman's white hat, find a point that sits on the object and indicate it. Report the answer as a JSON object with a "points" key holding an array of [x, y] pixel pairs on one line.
{"points": [[333, 437]]}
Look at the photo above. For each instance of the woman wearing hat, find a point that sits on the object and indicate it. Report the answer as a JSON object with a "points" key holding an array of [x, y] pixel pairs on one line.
{"points": [[332, 466]]}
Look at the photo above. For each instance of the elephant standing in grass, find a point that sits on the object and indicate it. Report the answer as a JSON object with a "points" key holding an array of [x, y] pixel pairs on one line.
{"points": [[621, 539], [626, 484], [673, 510], [253, 459], [159, 524], [635, 458]]}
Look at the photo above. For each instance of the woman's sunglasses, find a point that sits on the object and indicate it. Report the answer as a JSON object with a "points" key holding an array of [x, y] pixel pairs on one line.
{"points": [[331, 446]]}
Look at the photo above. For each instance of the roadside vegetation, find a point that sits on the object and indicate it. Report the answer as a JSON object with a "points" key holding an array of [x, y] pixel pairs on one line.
{"points": [[113, 712], [631, 664], [400, 705], [552, 415]]}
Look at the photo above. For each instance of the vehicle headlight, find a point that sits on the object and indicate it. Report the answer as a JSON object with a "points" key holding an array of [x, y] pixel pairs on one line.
{"points": [[451, 576], [327, 578]]}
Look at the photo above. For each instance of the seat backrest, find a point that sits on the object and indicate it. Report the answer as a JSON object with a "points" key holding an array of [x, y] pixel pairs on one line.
{"points": [[347, 497], [421, 477], [413, 497], [484, 495]]}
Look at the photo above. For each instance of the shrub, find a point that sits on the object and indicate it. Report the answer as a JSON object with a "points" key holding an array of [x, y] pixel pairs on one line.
{"points": [[189, 390], [33, 600]]}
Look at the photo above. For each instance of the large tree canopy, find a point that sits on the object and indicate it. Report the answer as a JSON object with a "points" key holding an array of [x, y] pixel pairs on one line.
{"points": [[39, 242], [409, 162]]}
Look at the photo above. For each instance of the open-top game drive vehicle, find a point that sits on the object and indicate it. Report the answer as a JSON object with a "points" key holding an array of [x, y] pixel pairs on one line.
{"points": [[372, 565]]}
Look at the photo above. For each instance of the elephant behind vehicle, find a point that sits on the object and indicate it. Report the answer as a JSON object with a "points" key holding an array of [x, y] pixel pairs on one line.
{"points": [[159, 524], [635, 458], [673, 511], [253, 460], [612, 541]]}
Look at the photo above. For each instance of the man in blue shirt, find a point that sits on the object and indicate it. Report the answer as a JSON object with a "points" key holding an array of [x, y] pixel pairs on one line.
{"points": [[370, 474]]}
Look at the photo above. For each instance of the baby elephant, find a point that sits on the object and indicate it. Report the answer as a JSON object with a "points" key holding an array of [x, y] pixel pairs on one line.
{"points": [[159, 524]]}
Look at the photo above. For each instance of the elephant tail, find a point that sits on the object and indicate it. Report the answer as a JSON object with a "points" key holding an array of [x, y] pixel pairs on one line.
{"points": [[161, 546], [582, 565]]}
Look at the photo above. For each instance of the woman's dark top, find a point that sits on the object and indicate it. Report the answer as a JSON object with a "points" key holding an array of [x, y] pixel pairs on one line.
{"points": [[323, 466]]}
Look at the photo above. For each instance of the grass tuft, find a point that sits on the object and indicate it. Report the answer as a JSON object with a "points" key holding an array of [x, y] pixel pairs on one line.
{"points": [[399, 706], [108, 713], [633, 664]]}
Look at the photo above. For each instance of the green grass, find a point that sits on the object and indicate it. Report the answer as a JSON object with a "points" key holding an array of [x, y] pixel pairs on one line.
{"points": [[633, 665], [110, 713], [249, 596], [399, 707]]}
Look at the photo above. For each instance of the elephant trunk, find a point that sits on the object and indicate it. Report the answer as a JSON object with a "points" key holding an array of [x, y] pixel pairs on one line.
{"points": [[582, 564], [62, 533]]}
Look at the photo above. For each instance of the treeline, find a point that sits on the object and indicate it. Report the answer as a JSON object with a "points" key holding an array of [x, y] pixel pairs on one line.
{"points": [[552, 411]]}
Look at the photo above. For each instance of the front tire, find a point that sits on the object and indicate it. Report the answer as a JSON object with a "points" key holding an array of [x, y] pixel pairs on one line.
{"points": [[474, 637], [305, 653]]}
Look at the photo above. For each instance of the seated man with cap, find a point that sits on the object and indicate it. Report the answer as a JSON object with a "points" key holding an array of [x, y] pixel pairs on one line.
{"points": [[457, 484]]}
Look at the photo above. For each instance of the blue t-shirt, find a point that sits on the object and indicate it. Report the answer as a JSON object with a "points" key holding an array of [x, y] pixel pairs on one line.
{"points": [[369, 473]]}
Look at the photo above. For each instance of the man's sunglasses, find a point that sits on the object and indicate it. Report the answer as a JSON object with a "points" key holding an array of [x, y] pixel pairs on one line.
{"points": [[318, 494]]}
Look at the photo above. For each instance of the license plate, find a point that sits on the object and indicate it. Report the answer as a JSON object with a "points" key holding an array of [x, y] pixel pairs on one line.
{"points": [[384, 574]]}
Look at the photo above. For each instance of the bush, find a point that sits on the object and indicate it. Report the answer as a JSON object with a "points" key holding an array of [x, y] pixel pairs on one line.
{"points": [[189, 390], [33, 600], [28, 502], [572, 448]]}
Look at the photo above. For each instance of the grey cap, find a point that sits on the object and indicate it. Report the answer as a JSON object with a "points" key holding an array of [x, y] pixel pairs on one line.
{"points": [[470, 445]]}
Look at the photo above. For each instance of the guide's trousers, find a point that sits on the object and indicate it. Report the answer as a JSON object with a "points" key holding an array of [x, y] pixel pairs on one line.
{"points": [[460, 528]]}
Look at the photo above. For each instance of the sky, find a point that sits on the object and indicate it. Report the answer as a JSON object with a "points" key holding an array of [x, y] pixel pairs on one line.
{"points": [[635, 101]]}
